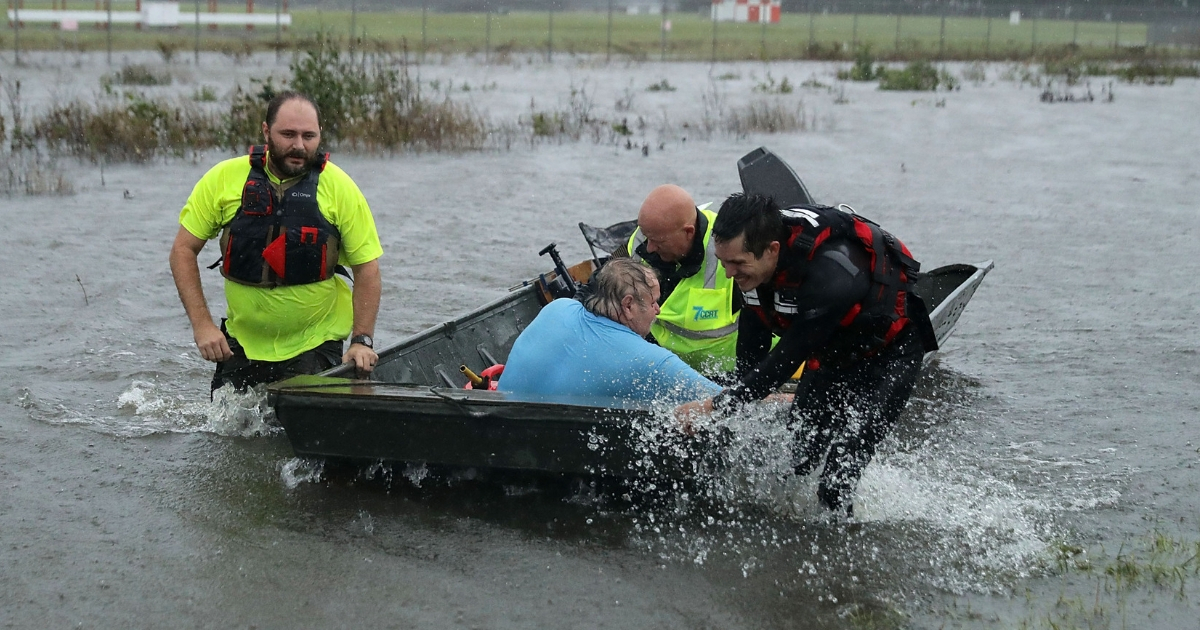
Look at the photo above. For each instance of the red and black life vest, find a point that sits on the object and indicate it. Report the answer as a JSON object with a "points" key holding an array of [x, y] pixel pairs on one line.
{"points": [[889, 306], [274, 241]]}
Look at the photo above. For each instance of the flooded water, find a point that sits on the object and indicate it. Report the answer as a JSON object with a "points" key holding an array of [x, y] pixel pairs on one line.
{"points": [[1059, 423]]}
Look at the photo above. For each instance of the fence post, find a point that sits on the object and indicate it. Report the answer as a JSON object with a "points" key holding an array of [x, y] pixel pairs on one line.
{"points": [[487, 38], [811, 32], [1033, 34], [278, 30], [662, 28], [197, 32], [353, 21], [1117, 38], [424, 12], [1075, 34], [897, 32], [108, 31], [854, 32], [942, 37], [16, 33], [550, 38], [762, 38], [608, 44], [987, 45], [713, 15]]}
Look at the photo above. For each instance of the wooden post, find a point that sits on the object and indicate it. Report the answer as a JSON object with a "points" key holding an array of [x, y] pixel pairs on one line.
{"points": [[197, 57], [212, 8], [424, 13], [854, 32], [249, 10], [1075, 34], [550, 38], [897, 32], [487, 38], [353, 21]]}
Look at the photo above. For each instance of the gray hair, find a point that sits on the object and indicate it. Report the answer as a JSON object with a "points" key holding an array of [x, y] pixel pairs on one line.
{"points": [[618, 278]]}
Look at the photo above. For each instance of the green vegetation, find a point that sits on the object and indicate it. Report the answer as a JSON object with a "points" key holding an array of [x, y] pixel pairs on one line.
{"points": [[136, 74], [661, 86], [1158, 563], [634, 36], [769, 86], [917, 76]]}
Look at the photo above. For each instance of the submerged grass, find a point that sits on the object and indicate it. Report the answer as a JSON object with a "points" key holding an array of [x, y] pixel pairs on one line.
{"points": [[1158, 562]]}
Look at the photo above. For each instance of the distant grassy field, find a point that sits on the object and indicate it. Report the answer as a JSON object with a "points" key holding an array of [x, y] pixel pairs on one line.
{"points": [[691, 35]]}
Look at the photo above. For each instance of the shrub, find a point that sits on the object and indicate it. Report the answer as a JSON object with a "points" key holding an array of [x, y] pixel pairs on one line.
{"points": [[136, 74], [864, 67], [917, 76]]}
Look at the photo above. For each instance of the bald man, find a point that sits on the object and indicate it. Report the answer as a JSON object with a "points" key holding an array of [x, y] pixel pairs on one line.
{"points": [[699, 303]]}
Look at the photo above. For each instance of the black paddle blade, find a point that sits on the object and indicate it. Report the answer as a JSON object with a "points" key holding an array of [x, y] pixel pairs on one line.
{"points": [[765, 173]]}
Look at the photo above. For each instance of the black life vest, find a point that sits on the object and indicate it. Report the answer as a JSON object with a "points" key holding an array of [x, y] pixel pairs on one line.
{"points": [[273, 242], [890, 304]]}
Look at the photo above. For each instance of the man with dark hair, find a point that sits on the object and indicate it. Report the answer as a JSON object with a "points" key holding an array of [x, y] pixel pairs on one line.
{"points": [[838, 290], [288, 219], [699, 304], [595, 348]]}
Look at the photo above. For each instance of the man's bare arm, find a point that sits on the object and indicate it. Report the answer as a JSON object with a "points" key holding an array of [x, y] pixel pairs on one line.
{"points": [[367, 287], [186, 271]]}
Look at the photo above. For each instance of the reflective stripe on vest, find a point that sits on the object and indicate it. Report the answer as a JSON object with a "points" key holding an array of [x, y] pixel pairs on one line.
{"points": [[699, 327]]}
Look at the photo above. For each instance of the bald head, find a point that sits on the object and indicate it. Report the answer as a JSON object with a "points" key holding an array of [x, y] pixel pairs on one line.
{"points": [[668, 221]]}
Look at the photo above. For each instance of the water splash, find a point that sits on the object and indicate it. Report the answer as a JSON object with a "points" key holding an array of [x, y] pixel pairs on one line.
{"points": [[148, 407], [298, 470]]}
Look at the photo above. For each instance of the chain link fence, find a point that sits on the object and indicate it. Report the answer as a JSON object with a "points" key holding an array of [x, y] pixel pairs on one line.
{"points": [[640, 30]]}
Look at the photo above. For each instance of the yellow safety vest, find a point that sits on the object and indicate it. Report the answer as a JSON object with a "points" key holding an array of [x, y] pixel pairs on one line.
{"points": [[696, 320]]}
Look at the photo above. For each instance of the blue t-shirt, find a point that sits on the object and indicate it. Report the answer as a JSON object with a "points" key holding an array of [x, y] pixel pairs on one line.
{"points": [[567, 351]]}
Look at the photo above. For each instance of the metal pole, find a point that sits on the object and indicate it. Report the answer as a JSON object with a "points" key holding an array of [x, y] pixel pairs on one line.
{"points": [[897, 32], [108, 30], [550, 38], [197, 32], [424, 11], [608, 44]]}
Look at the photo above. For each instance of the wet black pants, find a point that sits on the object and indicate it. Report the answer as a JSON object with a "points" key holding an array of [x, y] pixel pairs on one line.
{"points": [[244, 373], [843, 413]]}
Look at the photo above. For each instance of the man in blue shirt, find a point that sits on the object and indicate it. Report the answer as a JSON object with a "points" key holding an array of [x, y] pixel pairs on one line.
{"points": [[596, 348]]}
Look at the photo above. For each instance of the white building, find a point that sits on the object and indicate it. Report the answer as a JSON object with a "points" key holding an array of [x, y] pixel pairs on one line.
{"points": [[746, 11]]}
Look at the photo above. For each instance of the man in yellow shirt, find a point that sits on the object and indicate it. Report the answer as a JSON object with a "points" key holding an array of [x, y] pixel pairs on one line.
{"points": [[287, 219], [699, 302]]}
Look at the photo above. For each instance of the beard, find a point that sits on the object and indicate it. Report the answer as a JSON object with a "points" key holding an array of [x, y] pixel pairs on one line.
{"points": [[278, 158]]}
